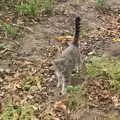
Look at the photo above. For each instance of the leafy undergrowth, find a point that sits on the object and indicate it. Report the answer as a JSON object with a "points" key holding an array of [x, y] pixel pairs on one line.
{"points": [[35, 7], [14, 112], [75, 97], [106, 66]]}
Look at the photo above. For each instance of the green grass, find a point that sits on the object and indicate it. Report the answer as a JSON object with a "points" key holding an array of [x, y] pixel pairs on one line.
{"points": [[30, 81], [101, 65], [9, 28], [29, 8], [14, 112], [35, 7], [75, 97], [100, 3]]}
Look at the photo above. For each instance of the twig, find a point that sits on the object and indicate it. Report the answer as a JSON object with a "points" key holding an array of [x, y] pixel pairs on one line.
{"points": [[24, 27]]}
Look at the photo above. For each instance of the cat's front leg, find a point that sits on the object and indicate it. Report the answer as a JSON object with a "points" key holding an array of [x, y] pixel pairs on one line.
{"points": [[59, 78], [63, 91], [58, 83], [78, 67]]}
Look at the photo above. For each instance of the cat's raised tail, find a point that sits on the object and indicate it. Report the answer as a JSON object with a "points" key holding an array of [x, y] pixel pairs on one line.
{"points": [[77, 31]]}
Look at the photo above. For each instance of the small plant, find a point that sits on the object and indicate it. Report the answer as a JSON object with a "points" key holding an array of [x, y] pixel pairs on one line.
{"points": [[14, 112], [100, 4], [115, 84], [10, 29], [29, 8], [26, 113], [75, 97], [33, 7], [71, 89], [3, 46], [30, 81]]}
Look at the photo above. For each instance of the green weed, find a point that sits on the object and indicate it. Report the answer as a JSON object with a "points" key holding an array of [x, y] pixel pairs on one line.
{"points": [[75, 97], [29, 8], [14, 112], [34, 7], [10, 29], [100, 3], [30, 81], [71, 89], [101, 65]]}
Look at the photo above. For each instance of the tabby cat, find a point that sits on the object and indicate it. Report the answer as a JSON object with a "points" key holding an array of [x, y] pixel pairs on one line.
{"points": [[68, 60]]}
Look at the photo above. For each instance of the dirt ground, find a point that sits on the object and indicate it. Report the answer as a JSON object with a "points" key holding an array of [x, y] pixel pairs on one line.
{"points": [[28, 58]]}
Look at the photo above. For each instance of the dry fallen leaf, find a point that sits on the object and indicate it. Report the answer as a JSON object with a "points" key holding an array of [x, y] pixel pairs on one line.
{"points": [[8, 20], [115, 100], [16, 85], [56, 118], [64, 39], [61, 105], [116, 39]]}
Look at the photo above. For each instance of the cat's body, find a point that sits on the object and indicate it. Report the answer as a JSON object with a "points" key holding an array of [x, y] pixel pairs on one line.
{"points": [[69, 59]]}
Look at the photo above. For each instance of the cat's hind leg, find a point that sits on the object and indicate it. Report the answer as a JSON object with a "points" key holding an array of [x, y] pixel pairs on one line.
{"points": [[78, 64]]}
